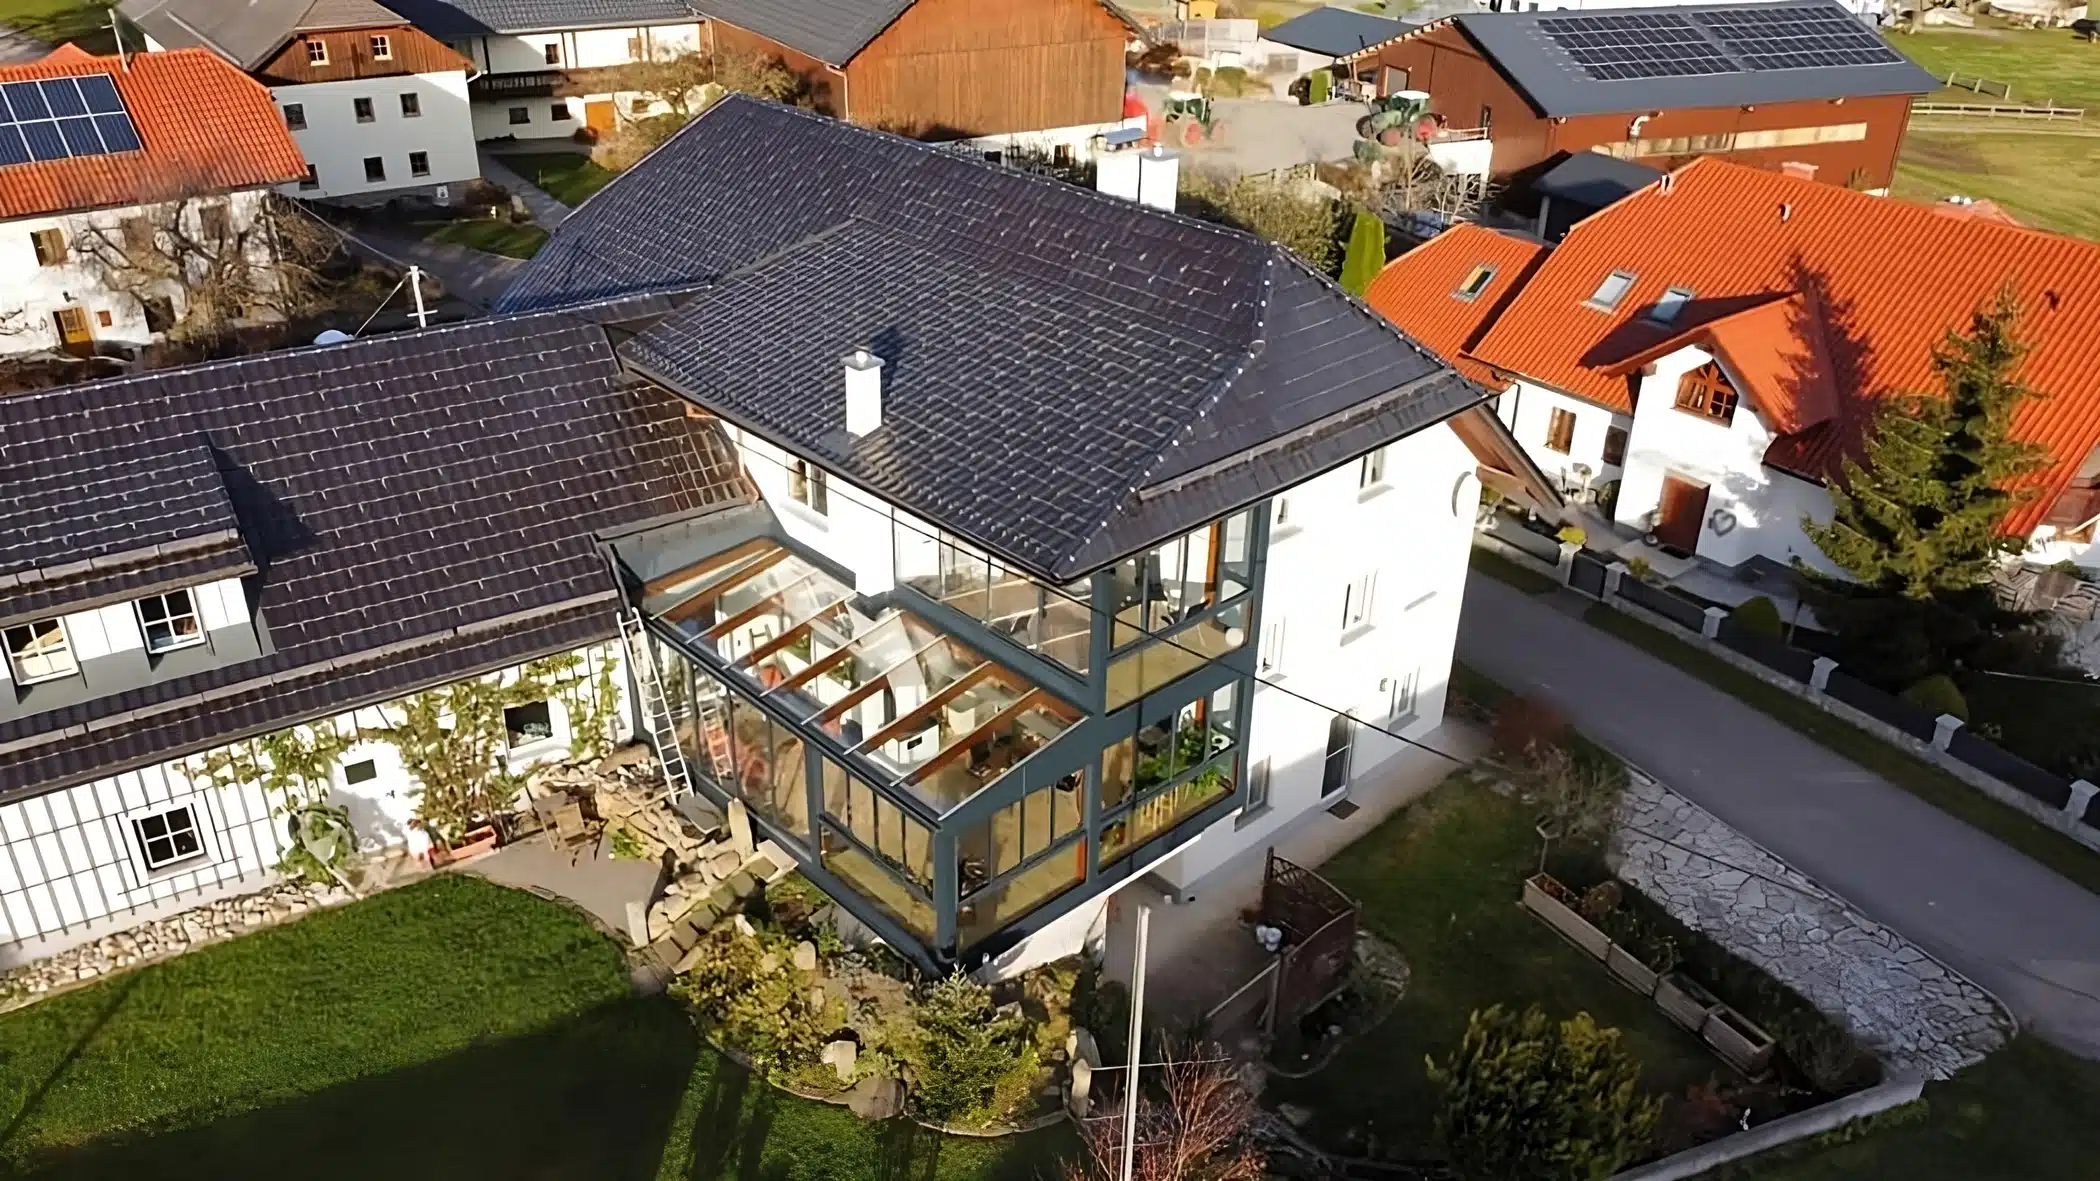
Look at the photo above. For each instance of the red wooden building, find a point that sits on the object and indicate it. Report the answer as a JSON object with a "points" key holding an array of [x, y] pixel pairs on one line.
{"points": [[1802, 82]]}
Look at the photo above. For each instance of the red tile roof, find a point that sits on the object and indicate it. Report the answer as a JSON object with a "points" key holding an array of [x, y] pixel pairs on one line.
{"points": [[205, 126], [1890, 278], [1778, 351], [1418, 290]]}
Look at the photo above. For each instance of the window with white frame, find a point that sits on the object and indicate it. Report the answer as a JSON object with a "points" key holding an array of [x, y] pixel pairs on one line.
{"points": [[316, 52], [1403, 689], [1269, 659], [1371, 472], [1671, 305], [169, 621], [1356, 601], [168, 838], [526, 724], [806, 487], [382, 48], [1280, 514], [1613, 289], [38, 651], [1257, 789]]}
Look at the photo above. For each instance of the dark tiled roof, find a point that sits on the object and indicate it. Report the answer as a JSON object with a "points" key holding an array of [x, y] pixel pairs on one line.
{"points": [[69, 506], [225, 558], [1595, 180], [828, 30], [1559, 88], [1335, 32], [475, 18], [1049, 350], [407, 499], [247, 32]]}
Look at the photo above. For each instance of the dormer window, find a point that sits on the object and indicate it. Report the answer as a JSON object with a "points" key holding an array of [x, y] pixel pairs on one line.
{"points": [[39, 652], [1671, 305], [1614, 288], [1476, 282], [1705, 391], [169, 621]]}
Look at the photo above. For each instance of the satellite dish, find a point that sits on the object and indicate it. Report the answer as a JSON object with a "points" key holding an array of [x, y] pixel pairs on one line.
{"points": [[333, 336]]}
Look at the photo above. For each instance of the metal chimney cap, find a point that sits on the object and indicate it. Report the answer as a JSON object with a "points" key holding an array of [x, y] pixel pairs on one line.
{"points": [[863, 359]]}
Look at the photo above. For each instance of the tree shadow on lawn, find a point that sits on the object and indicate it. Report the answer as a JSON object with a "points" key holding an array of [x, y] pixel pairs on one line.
{"points": [[593, 1097]]}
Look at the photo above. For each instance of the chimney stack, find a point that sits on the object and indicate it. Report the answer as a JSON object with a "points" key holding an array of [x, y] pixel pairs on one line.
{"points": [[1798, 170], [1116, 173], [863, 392], [1159, 178]]}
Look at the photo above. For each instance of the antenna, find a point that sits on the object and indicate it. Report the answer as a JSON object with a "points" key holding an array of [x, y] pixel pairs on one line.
{"points": [[415, 282], [116, 30]]}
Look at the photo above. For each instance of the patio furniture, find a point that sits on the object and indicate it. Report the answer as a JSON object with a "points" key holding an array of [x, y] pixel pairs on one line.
{"points": [[566, 827]]}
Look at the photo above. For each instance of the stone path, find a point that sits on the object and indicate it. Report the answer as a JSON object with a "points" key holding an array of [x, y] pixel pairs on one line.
{"points": [[473, 276], [1912, 1011]]}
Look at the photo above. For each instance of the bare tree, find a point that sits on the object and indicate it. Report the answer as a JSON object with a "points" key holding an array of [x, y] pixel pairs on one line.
{"points": [[1197, 1127], [674, 80], [195, 267], [1411, 182]]}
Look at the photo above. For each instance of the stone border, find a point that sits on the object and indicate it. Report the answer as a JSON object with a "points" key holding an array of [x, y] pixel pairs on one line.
{"points": [[1784, 1130], [839, 1100]]}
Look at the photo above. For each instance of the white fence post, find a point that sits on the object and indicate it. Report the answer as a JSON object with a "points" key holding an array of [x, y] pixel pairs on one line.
{"points": [[2082, 794], [1711, 628], [1613, 575], [1943, 729], [1568, 550], [1819, 677]]}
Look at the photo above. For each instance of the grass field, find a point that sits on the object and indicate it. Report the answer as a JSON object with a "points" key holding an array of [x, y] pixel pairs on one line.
{"points": [[568, 177], [1439, 880], [2041, 64], [56, 22], [489, 235], [450, 1029]]}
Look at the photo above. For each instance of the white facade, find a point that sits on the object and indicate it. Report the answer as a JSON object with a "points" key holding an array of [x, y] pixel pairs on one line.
{"points": [[1531, 411], [1079, 144], [1390, 671], [72, 863], [61, 276], [543, 117], [419, 128]]}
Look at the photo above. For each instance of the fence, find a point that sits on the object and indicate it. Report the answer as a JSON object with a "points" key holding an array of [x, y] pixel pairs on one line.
{"points": [[1956, 81], [1996, 111], [2061, 802]]}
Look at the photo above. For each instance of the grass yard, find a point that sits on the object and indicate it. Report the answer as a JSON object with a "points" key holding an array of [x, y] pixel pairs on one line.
{"points": [[1929, 783], [1439, 880], [2043, 65], [56, 22], [2051, 182], [1495, 566], [488, 235], [450, 1029], [568, 177], [2026, 1112]]}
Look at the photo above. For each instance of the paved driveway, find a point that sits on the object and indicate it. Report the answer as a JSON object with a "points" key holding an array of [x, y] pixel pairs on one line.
{"points": [[2010, 924], [1258, 135]]}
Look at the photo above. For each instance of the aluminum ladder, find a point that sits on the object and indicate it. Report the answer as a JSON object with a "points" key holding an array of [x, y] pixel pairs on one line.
{"points": [[656, 709]]}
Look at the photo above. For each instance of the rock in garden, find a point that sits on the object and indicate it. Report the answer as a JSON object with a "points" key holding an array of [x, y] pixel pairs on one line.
{"points": [[876, 1098], [840, 1056], [1080, 1046], [1294, 1115], [805, 956]]}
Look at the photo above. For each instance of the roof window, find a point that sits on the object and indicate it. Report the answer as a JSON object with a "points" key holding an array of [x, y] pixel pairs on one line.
{"points": [[1476, 282], [1671, 305], [1614, 288]]}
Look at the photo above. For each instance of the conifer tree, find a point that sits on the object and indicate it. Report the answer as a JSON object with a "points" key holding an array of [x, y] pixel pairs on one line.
{"points": [[1366, 256]]}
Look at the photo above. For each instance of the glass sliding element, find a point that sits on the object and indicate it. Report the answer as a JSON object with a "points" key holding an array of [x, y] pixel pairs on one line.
{"points": [[1053, 621], [1167, 772], [1171, 657], [874, 845]]}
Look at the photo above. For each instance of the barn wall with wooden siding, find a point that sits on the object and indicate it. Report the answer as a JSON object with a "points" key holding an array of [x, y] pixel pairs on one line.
{"points": [[412, 51], [955, 68], [728, 39]]}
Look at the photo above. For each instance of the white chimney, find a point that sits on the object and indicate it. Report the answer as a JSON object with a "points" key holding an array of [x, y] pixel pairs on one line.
{"points": [[1159, 178], [1116, 173], [863, 392]]}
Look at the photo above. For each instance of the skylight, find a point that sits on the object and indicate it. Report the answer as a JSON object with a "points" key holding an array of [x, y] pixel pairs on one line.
{"points": [[60, 117], [1476, 282], [1614, 288], [1667, 309]]}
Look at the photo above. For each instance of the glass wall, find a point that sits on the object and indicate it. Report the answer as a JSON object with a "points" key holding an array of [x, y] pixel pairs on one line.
{"points": [[1054, 621], [1167, 772], [1179, 606], [886, 854]]}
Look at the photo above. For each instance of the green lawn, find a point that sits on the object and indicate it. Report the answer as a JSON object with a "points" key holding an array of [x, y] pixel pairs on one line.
{"points": [[1929, 783], [2050, 182], [1439, 880], [450, 1029], [2043, 65], [59, 21], [568, 177], [489, 235], [2027, 1112], [1502, 569]]}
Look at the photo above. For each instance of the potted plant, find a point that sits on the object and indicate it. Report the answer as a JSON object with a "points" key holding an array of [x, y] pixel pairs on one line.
{"points": [[1545, 897], [1741, 1042], [467, 845], [1683, 1000], [1639, 955]]}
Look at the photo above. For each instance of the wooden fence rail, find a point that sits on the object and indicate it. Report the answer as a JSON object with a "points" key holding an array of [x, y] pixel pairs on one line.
{"points": [[1997, 111], [1980, 85]]}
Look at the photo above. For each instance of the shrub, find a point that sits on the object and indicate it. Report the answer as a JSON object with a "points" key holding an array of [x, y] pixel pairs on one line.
{"points": [[1527, 729], [1939, 695], [965, 1055], [746, 987], [1319, 87], [1759, 616], [1305, 224], [1529, 1099], [1573, 535]]}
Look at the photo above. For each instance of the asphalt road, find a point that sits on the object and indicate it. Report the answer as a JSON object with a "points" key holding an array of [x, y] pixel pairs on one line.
{"points": [[2010, 924]]}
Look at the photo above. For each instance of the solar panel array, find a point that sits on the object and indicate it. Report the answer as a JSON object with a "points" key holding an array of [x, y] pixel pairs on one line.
{"points": [[1714, 41], [55, 118], [1797, 38]]}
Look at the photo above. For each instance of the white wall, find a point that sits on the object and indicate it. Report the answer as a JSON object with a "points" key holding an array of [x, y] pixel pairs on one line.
{"points": [[1527, 409], [32, 292], [1275, 55], [1422, 520], [336, 144], [1081, 139], [1751, 509], [70, 862]]}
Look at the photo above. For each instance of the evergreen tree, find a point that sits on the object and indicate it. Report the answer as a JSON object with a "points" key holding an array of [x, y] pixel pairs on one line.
{"points": [[1919, 525], [1525, 1098], [1366, 256]]}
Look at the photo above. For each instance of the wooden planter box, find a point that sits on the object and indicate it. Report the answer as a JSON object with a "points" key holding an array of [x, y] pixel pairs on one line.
{"points": [[474, 844], [1540, 900], [1683, 1000], [1631, 972], [1738, 1040]]}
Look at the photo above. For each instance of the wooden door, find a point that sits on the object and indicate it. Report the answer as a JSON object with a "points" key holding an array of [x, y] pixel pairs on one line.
{"points": [[1683, 511], [74, 334], [599, 116]]}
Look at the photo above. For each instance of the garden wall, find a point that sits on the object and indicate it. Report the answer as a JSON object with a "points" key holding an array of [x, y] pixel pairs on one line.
{"points": [[1785, 1130]]}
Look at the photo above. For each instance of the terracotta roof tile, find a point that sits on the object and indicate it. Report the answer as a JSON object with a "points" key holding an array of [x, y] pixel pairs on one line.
{"points": [[205, 126], [1778, 351], [1419, 291], [1890, 276]]}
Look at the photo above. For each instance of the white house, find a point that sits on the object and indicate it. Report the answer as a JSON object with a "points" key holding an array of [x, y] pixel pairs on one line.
{"points": [[543, 71], [1703, 356], [377, 107], [120, 184]]}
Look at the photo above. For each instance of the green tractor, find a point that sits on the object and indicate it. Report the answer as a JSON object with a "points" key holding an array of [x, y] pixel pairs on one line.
{"points": [[1399, 116], [1187, 119]]}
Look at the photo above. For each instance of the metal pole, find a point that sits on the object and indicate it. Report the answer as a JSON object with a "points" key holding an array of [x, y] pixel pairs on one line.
{"points": [[1137, 1033], [415, 281]]}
